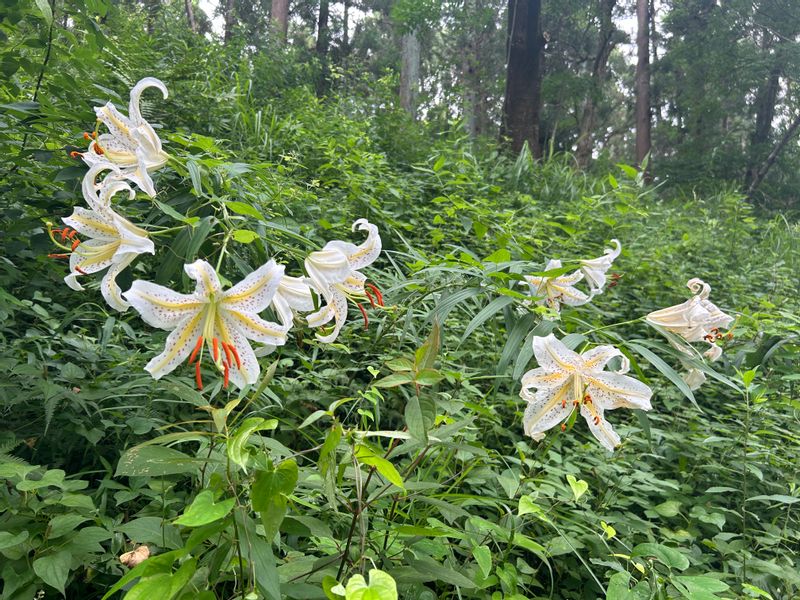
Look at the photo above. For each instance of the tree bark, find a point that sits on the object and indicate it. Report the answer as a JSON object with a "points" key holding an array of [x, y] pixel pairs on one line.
{"points": [[230, 20], [190, 15], [409, 72], [761, 173], [153, 8], [279, 15], [765, 101], [605, 45], [523, 76], [642, 81], [322, 28]]}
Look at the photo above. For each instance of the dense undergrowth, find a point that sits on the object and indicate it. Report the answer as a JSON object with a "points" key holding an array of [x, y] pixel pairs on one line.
{"points": [[699, 502]]}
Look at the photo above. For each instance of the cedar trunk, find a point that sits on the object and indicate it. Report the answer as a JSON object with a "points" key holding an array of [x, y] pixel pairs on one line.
{"points": [[187, 4], [523, 76], [409, 72], [230, 20], [279, 14], [642, 81]]}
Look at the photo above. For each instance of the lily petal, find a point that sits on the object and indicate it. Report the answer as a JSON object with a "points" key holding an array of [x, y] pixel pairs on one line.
{"points": [[542, 378], [553, 355], [136, 94], [160, 306], [595, 269], [254, 327], [335, 309], [250, 369], [179, 346], [613, 390], [547, 410], [255, 292], [205, 276], [92, 224], [601, 429], [109, 288]]}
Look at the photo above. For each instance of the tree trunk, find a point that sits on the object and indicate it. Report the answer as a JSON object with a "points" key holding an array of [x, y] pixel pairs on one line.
{"points": [[322, 29], [409, 72], [190, 15], [642, 81], [761, 173], [605, 45], [346, 28], [523, 76], [279, 15], [230, 20], [765, 102]]}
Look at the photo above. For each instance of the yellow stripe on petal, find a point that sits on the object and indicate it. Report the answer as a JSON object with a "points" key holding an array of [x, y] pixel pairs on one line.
{"points": [[179, 345]]}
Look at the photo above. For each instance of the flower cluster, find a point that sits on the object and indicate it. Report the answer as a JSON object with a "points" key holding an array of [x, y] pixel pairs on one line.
{"points": [[566, 381], [210, 320], [553, 291]]}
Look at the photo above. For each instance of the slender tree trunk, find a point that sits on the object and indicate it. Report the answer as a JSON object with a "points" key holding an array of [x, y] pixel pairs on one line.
{"points": [[322, 29], [409, 72], [230, 20], [187, 4], [765, 102], [761, 173], [606, 41], [279, 15], [523, 76], [642, 81], [346, 28]]}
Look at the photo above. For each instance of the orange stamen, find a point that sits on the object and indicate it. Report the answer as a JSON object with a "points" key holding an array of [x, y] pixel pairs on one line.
{"points": [[364, 314], [75, 154], [64, 233], [98, 149], [75, 244], [81, 271], [197, 376], [86, 136], [377, 293], [564, 403], [58, 256], [370, 298], [597, 420], [226, 376], [236, 356], [215, 343], [563, 427], [228, 356], [197, 347]]}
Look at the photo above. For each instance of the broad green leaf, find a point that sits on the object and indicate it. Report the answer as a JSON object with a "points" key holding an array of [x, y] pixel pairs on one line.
{"points": [[245, 236], [9, 540], [366, 456], [670, 557], [381, 586], [668, 508], [483, 556], [155, 461], [578, 486], [204, 510], [700, 587], [62, 524], [237, 443], [394, 380], [243, 208], [268, 494], [618, 586], [53, 569]]}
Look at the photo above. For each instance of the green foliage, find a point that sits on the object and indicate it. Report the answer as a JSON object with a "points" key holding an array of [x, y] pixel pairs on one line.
{"points": [[398, 451]]}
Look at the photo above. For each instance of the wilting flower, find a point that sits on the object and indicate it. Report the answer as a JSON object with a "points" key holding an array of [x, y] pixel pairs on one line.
{"points": [[333, 273], [558, 290], [135, 557], [696, 320], [131, 142], [209, 318], [113, 243], [595, 269], [566, 380]]}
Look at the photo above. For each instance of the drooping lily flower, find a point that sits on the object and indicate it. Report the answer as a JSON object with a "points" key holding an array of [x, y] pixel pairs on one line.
{"points": [[333, 273], [209, 318], [595, 269], [566, 380], [555, 291], [293, 295], [113, 243], [696, 320], [131, 143]]}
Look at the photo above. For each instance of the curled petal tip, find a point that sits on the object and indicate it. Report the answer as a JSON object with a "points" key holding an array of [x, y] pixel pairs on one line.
{"points": [[699, 287], [361, 224]]}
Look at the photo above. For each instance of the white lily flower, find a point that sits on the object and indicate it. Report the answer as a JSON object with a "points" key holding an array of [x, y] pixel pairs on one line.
{"points": [[565, 380], [595, 269], [131, 143], [213, 319], [333, 273], [694, 378], [555, 291], [293, 295], [696, 320], [113, 243]]}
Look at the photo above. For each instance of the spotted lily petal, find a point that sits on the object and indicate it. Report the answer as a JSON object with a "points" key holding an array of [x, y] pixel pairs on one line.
{"points": [[566, 380], [595, 269]]}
